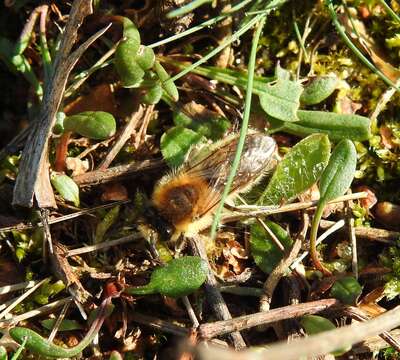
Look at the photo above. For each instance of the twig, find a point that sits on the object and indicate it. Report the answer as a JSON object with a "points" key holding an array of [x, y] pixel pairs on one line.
{"points": [[104, 245], [353, 238], [44, 216], [158, 324], [22, 298], [33, 179], [115, 173], [125, 135], [359, 315], [15, 287], [315, 345], [214, 296], [367, 233], [141, 134], [210, 330], [39, 311], [190, 311], [266, 211], [22, 226], [58, 322], [375, 343], [277, 274]]}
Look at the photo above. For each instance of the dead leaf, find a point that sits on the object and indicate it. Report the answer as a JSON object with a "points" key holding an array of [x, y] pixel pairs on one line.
{"points": [[387, 137], [114, 192], [370, 200], [101, 98], [76, 165]]}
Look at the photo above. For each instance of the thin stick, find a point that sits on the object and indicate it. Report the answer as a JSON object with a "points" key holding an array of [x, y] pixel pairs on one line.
{"points": [[15, 287], [123, 138], [115, 173], [210, 330], [315, 345], [335, 227], [353, 238], [214, 296], [22, 297], [191, 313], [104, 245], [22, 226], [367, 233], [270, 210], [58, 322], [279, 271]]}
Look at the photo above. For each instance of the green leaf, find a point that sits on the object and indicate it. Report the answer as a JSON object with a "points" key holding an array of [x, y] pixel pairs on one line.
{"points": [[131, 33], [98, 125], [145, 57], [129, 71], [318, 89], [339, 173], [66, 325], [298, 170], [336, 126], [212, 126], [167, 84], [67, 188], [109, 219], [335, 180], [282, 100], [347, 290], [175, 144], [264, 251], [180, 277], [153, 94], [314, 324]]}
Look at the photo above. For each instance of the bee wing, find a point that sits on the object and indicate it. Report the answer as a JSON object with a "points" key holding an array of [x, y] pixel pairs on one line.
{"points": [[215, 164]]}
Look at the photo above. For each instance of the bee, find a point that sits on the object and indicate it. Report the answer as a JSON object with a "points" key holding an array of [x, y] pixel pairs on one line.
{"points": [[188, 197]]}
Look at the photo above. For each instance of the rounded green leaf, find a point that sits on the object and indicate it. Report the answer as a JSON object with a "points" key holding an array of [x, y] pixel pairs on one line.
{"points": [[98, 125], [298, 170], [153, 94], [339, 172], [264, 251], [129, 71], [179, 277], [67, 188], [336, 126], [314, 324], [145, 57], [282, 99], [318, 89], [347, 290], [167, 84], [131, 33], [175, 144]]}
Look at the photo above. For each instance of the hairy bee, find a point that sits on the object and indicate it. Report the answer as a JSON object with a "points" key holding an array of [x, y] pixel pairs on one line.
{"points": [[188, 196]]}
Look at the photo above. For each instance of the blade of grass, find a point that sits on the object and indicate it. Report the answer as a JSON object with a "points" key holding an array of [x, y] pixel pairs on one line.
{"points": [[349, 43], [201, 26], [245, 123], [187, 8], [389, 10]]}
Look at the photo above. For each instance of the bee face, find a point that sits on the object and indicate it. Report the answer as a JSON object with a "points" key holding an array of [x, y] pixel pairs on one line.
{"points": [[188, 197]]}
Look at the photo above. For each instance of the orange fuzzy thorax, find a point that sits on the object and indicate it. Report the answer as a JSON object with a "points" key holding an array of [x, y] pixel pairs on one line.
{"points": [[181, 199]]}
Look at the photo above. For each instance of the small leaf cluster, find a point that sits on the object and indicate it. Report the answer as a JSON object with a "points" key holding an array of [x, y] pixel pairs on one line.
{"points": [[137, 66]]}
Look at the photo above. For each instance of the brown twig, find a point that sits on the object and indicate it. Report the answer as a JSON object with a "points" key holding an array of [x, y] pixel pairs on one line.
{"points": [[367, 233], [123, 138], [115, 173], [214, 296], [210, 330], [33, 179]]}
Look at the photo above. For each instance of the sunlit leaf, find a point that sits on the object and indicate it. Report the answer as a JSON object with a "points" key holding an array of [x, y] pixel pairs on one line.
{"points": [[175, 144], [264, 251], [298, 170], [347, 290], [318, 89], [67, 188]]}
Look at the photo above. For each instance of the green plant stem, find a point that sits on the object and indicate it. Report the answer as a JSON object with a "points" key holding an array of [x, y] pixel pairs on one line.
{"points": [[389, 10], [200, 26], [19, 350], [140, 290], [313, 239], [40, 345], [357, 52], [187, 8], [243, 130], [224, 44]]}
